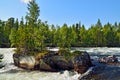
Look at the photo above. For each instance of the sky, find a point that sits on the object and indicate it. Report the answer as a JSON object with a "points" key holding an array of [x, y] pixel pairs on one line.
{"points": [[58, 12]]}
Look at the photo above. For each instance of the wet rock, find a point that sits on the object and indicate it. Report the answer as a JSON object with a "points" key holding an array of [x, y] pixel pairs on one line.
{"points": [[109, 59], [26, 62], [16, 58], [45, 67], [82, 62], [1, 57], [53, 61], [1, 62], [58, 62], [103, 72]]}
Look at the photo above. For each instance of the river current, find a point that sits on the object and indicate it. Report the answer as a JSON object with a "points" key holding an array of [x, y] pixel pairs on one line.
{"points": [[11, 72]]}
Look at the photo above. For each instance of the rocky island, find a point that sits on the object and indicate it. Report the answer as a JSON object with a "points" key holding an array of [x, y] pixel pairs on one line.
{"points": [[54, 61]]}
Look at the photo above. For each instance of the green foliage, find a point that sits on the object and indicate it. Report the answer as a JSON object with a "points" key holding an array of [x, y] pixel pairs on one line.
{"points": [[4, 34], [83, 35], [64, 37], [13, 37], [40, 55], [30, 38], [65, 52], [39, 39], [33, 12], [27, 36], [33, 36], [68, 54], [1, 35], [76, 53]]}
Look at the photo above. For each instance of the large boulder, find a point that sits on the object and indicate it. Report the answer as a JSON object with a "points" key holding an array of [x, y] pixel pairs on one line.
{"points": [[102, 72], [82, 62], [58, 62], [45, 67], [55, 61], [26, 62]]}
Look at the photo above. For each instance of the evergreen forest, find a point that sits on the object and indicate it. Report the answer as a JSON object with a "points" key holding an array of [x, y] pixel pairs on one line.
{"points": [[32, 34]]}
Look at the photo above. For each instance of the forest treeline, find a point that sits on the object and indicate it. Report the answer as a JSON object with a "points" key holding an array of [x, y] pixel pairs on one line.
{"points": [[35, 33], [97, 35]]}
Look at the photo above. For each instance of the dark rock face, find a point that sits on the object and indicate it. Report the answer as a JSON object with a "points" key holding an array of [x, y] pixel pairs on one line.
{"points": [[58, 62], [1, 56], [54, 62], [82, 62], [45, 67], [1, 63], [16, 59], [103, 72]]}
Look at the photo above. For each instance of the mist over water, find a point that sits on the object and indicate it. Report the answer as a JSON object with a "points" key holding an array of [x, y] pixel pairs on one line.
{"points": [[11, 72]]}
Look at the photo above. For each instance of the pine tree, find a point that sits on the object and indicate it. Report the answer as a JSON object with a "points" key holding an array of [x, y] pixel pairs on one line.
{"points": [[27, 38], [33, 13]]}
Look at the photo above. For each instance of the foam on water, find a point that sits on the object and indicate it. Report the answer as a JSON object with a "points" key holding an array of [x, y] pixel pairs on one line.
{"points": [[35, 75], [11, 72], [8, 53], [8, 59], [53, 49], [101, 51]]}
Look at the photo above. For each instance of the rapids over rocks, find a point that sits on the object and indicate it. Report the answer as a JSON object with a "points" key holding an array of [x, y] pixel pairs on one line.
{"points": [[98, 72]]}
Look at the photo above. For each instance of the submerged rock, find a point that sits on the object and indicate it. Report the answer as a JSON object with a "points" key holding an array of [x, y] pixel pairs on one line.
{"points": [[109, 59], [1, 57], [1, 62]]}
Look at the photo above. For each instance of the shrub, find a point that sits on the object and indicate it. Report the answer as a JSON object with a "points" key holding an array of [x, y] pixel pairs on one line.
{"points": [[76, 53], [40, 55]]}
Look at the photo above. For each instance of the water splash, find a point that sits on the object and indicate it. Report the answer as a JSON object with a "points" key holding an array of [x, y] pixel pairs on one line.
{"points": [[11, 72]]}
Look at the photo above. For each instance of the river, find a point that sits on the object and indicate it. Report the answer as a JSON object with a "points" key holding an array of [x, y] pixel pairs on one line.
{"points": [[11, 72]]}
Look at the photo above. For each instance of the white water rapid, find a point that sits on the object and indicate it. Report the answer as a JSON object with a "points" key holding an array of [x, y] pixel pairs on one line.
{"points": [[11, 72]]}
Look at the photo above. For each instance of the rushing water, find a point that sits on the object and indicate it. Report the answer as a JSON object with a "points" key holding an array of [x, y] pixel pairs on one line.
{"points": [[99, 52], [11, 72]]}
